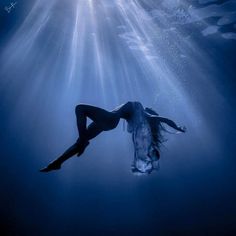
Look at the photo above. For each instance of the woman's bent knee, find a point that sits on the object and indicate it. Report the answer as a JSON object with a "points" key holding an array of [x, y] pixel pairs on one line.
{"points": [[79, 108]]}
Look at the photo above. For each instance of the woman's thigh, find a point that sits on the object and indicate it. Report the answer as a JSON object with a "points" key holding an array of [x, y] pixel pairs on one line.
{"points": [[103, 119], [93, 130]]}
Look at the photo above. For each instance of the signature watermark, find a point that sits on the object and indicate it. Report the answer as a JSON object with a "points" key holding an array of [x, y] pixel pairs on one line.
{"points": [[10, 7]]}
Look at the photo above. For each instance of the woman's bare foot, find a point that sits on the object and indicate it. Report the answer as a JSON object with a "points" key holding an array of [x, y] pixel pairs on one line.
{"points": [[55, 165]]}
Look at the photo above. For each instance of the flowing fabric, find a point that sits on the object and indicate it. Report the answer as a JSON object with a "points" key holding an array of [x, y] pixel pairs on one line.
{"points": [[146, 143]]}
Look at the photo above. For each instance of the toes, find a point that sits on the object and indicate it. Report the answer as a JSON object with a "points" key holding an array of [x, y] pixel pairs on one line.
{"points": [[51, 167]]}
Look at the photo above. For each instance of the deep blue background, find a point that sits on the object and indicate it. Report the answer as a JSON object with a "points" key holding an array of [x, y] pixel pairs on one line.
{"points": [[192, 194]]}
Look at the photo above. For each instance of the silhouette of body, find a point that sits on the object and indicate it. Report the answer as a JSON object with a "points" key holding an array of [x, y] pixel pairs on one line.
{"points": [[103, 120]]}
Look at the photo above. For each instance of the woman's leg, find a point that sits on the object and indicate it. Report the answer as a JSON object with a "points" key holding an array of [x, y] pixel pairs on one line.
{"points": [[102, 120], [77, 148]]}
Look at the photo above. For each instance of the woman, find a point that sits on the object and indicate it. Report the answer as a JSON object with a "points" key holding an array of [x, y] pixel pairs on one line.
{"points": [[144, 124]]}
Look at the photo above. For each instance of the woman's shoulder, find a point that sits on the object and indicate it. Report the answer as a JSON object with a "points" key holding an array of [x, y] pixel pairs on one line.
{"points": [[133, 103]]}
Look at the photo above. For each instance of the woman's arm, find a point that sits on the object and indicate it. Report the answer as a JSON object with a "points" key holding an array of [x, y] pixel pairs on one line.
{"points": [[172, 124], [169, 122]]}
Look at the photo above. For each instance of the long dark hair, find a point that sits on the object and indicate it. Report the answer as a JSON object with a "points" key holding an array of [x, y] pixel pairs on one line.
{"points": [[156, 128]]}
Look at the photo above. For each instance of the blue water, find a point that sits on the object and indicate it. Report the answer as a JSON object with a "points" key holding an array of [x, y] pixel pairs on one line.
{"points": [[174, 56]]}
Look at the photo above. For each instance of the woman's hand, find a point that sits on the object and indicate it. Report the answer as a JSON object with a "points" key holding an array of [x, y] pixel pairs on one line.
{"points": [[182, 129]]}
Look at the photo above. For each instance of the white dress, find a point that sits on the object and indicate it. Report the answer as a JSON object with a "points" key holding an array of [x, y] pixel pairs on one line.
{"points": [[145, 155]]}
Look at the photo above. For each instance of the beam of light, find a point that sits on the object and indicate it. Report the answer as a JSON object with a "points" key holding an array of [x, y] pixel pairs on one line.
{"points": [[106, 53]]}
